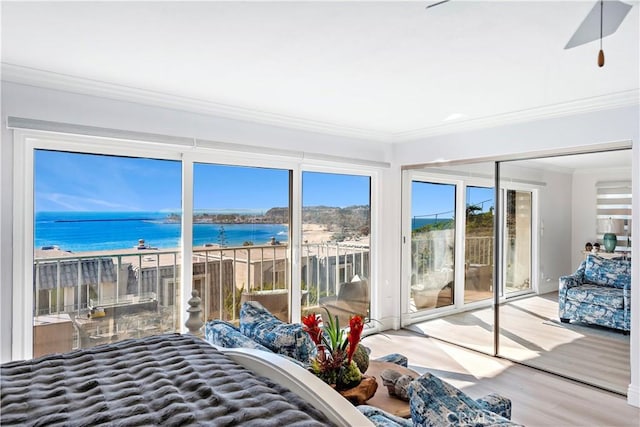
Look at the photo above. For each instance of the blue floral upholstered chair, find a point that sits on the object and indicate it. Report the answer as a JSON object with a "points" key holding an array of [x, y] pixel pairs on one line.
{"points": [[599, 292]]}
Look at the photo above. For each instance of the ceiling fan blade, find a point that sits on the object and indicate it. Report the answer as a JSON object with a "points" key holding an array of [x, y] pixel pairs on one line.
{"points": [[613, 14], [436, 4]]}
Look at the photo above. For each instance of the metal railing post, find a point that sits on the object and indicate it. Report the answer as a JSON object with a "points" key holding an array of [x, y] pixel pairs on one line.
{"points": [[37, 295]]}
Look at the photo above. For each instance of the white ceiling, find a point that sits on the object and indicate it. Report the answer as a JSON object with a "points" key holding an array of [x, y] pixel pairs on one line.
{"points": [[390, 71]]}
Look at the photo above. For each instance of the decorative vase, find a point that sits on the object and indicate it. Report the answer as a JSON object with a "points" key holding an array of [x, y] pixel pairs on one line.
{"points": [[610, 242]]}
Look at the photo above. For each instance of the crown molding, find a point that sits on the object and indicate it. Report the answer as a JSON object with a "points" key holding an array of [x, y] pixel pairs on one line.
{"points": [[56, 81], [586, 105]]}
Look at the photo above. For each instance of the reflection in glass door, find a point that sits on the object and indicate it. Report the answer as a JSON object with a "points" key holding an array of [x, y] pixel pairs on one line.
{"points": [[432, 245], [518, 241], [478, 259]]}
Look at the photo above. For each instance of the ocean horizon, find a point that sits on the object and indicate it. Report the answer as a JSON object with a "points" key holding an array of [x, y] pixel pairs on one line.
{"points": [[94, 231], [421, 222]]}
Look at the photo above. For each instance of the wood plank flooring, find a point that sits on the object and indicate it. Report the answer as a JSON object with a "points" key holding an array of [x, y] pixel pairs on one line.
{"points": [[538, 398], [531, 334]]}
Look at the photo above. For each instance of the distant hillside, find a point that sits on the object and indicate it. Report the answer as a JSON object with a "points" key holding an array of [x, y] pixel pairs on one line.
{"points": [[350, 221]]}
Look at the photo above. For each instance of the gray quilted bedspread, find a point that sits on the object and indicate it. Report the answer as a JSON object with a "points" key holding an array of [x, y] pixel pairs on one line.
{"points": [[161, 380]]}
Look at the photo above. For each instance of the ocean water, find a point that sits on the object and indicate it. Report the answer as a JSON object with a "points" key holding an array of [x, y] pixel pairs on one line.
{"points": [[421, 222], [91, 231]]}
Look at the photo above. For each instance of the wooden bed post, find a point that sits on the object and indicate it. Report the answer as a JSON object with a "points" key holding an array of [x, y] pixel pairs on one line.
{"points": [[194, 321]]}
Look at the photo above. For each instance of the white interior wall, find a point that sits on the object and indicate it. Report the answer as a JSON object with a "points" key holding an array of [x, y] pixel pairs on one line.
{"points": [[555, 230]]}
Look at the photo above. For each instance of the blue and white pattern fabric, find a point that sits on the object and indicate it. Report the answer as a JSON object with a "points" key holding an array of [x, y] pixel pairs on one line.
{"points": [[224, 334], [607, 272], [258, 324], [381, 418], [599, 292], [437, 403], [497, 404]]}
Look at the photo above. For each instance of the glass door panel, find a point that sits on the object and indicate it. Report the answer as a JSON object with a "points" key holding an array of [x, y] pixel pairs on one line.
{"points": [[106, 240], [432, 245], [448, 268], [336, 226], [241, 239], [478, 267]]}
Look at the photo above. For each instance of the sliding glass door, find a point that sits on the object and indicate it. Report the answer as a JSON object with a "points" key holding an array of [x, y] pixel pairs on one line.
{"points": [[241, 220], [450, 268], [546, 211], [335, 253], [116, 237]]}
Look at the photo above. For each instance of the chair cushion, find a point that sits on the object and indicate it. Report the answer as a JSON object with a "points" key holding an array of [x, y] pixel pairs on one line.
{"points": [[597, 295], [607, 272], [434, 402], [257, 323]]}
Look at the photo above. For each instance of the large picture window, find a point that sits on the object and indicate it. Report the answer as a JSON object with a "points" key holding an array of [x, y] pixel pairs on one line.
{"points": [[336, 232], [108, 226], [241, 220], [105, 241]]}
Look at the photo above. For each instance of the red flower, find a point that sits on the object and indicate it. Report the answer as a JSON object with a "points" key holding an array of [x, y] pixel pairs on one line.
{"points": [[355, 330], [311, 326]]}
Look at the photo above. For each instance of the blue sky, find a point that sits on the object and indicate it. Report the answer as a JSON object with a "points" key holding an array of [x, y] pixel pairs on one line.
{"points": [[430, 199], [86, 182], [334, 189]]}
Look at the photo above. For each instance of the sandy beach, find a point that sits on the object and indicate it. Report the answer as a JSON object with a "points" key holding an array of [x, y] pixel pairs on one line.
{"points": [[311, 233], [318, 233], [315, 233]]}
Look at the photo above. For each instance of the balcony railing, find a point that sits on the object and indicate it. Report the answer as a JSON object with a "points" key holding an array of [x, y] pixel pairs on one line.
{"points": [[115, 294]]}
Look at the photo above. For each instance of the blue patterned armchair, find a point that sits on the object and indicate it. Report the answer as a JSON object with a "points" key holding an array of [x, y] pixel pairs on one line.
{"points": [[599, 292]]}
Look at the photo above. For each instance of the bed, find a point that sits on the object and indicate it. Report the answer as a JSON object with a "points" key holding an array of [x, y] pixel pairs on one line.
{"points": [[169, 379]]}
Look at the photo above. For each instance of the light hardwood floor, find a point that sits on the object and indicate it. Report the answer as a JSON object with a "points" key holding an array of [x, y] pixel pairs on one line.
{"points": [[532, 334], [538, 398]]}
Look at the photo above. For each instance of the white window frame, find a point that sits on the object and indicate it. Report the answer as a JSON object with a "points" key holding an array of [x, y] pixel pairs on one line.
{"points": [[375, 231], [26, 141]]}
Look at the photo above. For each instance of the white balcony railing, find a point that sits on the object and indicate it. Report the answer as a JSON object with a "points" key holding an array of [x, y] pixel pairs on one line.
{"points": [[107, 293]]}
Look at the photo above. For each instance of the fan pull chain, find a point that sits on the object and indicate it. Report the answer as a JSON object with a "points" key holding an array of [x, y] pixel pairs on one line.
{"points": [[601, 53]]}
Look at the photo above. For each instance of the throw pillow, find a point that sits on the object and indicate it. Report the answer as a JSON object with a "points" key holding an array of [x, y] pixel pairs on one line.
{"points": [[223, 334], [257, 323]]}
